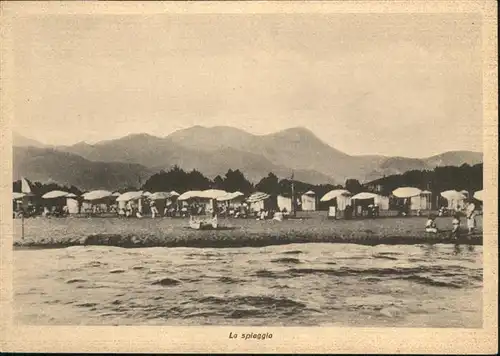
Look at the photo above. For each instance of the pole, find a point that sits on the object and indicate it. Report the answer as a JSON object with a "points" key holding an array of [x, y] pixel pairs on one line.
{"points": [[293, 198], [22, 225]]}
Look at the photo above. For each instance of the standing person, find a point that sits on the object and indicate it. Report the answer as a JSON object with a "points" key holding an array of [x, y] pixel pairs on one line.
{"points": [[154, 210], [471, 217], [455, 232]]}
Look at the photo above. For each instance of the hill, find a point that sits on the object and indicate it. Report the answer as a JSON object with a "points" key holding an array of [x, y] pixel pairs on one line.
{"points": [[49, 165], [214, 150]]}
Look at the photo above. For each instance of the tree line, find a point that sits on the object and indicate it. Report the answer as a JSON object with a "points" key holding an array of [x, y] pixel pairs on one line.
{"points": [[465, 177]]}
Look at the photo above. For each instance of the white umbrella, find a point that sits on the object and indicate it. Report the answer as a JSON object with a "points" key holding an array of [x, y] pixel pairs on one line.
{"points": [[189, 194], [97, 195], [406, 192], [310, 192], [116, 194], [54, 194], [16, 195], [174, 193], [71, 195], [332, 194], [212, 193], [364, 196], [257, 197], [452, 195], [146, 194], [129, 196], [230, 196], [427, 192], [160, 196], [479, 195], [25, 187]]}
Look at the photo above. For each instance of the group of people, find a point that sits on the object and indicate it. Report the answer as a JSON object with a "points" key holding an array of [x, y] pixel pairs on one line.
{"points": [[470, 214]]}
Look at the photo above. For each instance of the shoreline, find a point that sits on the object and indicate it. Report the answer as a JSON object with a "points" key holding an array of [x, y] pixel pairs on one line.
{"points": [[214, 239]]}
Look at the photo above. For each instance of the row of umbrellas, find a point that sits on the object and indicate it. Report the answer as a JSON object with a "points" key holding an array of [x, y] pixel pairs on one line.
{"points": [[403, 192]]}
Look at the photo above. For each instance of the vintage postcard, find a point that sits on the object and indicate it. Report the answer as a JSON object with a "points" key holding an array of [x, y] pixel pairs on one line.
{"points": [[249, 177]]}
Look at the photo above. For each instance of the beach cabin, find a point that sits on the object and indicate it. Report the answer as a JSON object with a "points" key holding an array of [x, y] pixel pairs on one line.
{"points": [[261, 201], [308, 200], [72, 204], [284, 203], [423, 201], [338, 200]]}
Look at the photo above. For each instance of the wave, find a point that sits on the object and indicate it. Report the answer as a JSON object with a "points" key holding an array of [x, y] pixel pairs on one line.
{"points": [[287, 260], [432, 282]]}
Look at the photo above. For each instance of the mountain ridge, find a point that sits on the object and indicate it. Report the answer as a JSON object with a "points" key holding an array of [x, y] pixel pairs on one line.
{"points": [[214, 150]]}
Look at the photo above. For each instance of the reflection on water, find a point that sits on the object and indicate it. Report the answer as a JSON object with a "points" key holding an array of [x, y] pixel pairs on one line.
{"points": [[303, 284]]}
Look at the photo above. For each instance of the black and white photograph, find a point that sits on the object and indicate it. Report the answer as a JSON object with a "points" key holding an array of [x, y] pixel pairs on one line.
{"points": [[248, 170]]}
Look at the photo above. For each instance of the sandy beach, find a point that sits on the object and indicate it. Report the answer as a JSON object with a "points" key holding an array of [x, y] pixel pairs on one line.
{"points": [[174, 232]]}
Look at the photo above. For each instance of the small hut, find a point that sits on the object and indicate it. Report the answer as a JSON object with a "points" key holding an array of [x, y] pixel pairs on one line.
{"points": [[308, 200], [284, 203]]}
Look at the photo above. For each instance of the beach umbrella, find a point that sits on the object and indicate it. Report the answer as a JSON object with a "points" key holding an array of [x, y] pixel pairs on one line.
{"points": [[97, 195], [116, 194], [230, 196], [479, 195], [452, 195], [406, 192], [17, 195], [129, 196], [364, 196], [71, 195], [332, 194], [55, 194], [426, 192], [257, 197], [146, 194], [212, 193], [25, 187], [174, 193], [160, 196], [310, 193], [189, 194]]}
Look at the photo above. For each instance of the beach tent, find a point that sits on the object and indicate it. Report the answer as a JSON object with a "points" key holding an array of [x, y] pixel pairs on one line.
{"points": [[455, 199], [381, 201], [479, 195], [124, 198], [259, 201], [284, 203], [419, 200], [339, 198], [308, 200]]}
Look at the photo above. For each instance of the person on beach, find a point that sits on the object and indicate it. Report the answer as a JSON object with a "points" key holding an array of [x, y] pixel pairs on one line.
{"points": [[430, 225], [456, 226], [471, 217]]}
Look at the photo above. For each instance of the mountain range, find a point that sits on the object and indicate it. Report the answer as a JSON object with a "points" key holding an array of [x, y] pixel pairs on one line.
{"points": [[211, 150]]}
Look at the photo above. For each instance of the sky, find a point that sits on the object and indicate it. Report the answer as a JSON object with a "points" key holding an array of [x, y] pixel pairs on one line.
{"points": [[398, 84]]}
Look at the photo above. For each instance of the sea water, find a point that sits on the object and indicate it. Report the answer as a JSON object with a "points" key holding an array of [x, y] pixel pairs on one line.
{"points": [[291, 285]]}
